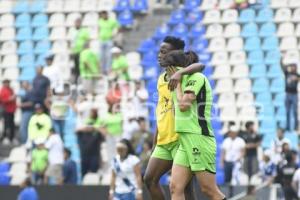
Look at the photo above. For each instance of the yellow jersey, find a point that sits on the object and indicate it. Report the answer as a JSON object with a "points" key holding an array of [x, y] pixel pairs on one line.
{"points": [[165, 113]]}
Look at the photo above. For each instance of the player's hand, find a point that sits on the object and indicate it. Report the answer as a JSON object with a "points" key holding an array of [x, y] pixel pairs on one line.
{"points": [[175, 79]]}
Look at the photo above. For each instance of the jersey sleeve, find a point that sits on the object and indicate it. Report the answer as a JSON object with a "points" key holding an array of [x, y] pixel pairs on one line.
{"points": [[194, 83]]}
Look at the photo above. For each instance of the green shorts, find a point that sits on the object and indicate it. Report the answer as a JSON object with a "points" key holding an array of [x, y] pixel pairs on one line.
{"points": [[165, 151], [196, 151]]}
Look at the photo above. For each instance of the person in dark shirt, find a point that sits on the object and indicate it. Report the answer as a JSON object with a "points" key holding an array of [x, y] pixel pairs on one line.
{"points": [[291, 99], [69, 168], [27, 108], [40, 87], [253, 141], [285, 175]]}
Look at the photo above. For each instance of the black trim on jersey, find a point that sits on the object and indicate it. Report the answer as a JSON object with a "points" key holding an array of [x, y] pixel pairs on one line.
{"points": [[201, 102]]}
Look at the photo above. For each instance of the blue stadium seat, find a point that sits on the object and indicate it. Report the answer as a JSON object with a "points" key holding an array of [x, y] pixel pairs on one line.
{"points": [[24, 34], [249, 30], [247, 15], [281, 113], [208, 71], [267, 30], [42, 47], [277, 85], [122, 5], [274, 71], [279, 99], [177, 17], [264, 15], [162, 32], [40, 61], [140, 6], [22, 20], [216, 124], [197, 30], [205, 58], [252, 44], [263, 98], [272, 57], [192, 4], [27, 74], [151, 73], [4, 167], [260, 85], [200, 45], [266, 144], [193, 17], [220, 177], [41, 33], [25, 47], [39, 20], [293, 137], [21, 7], [266, 112], [270, 43], [149, 59], [151, 86], [180, 30], [125, 18], [147, 45], [255, 57], [258, 71], [37, 6], [4, 179], [268, 127], [26, 61]]}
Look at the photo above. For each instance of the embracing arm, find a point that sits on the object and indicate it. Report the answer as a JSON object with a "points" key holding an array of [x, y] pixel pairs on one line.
{"points": [[184, 99], [177, 75]]}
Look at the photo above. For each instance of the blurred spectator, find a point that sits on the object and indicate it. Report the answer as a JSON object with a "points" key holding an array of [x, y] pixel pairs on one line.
{"points": [[175, 3], [113, 129], [55, 146], [130, 126], [108, 28], [58, 111], [126, 179], [276, 145], [141, 136], [291, 99], [69, 169], [145, 155], [296, 182], [240, 4], [79, 36], [253, 141], [27, 108], [119, 64], [90, 139], [53, 73], [39, 125], [139, 101], [8, 102], [285, 176], [40, 87], [39, 161], [233, 150], [268, 169], [89, 68], [114, 94], [28, 192]]}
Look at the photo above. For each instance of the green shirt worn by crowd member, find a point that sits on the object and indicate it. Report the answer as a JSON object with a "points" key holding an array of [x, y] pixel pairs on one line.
{"points": [[88, 66], [120, 66], [39, 160], [113, 123], [39, 126], [107, 28], [81, 38], [197, 118], [96, 123]]}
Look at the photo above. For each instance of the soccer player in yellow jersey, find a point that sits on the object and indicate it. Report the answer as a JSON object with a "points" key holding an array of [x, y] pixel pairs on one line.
{"points": [[166, 139]]}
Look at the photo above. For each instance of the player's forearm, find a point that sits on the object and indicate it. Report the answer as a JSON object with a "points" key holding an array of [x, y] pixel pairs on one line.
{"points": [[191, 69]]}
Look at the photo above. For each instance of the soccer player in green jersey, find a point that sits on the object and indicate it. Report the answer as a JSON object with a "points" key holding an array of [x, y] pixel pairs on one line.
{"points": [[197, 151]]}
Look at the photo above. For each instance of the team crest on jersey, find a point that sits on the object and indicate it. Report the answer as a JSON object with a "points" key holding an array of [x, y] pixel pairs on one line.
{"points": [[191, 83]]}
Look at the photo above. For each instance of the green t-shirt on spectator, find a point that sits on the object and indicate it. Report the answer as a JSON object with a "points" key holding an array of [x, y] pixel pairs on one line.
{"points": [[39, 160], [96, 123], [82, 37], [107, 28], [240, 1], [113, 123], [87, 56], [120, 65], [39, 126]]}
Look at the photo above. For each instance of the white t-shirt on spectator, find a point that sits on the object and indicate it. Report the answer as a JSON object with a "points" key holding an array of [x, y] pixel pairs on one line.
{"points": [[126, 170], [54, 75], [276, 147], [296, 178], [233, 148], [55, 148], [129, 128]]}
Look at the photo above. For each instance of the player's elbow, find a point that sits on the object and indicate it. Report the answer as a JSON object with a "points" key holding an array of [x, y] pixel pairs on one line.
{"points": [[184, 107]]}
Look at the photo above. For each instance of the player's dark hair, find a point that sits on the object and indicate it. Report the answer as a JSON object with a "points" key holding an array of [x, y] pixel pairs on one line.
{"points": [[69, 153], [129, 146], [176, 58], [176, 43], [248, 124], [192, 57]]}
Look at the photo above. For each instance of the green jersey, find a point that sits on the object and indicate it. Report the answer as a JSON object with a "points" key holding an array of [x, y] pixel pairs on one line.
{"points": [[82, 37], [197, 118], [88, 64], [107, 28], [120, 65]]}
